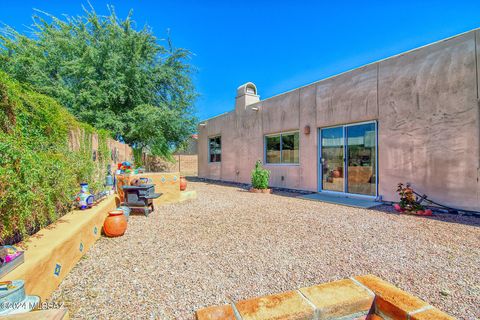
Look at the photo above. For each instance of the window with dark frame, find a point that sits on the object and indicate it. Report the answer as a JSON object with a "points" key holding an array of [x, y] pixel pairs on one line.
{"points": [[282, 148], [215, 149]]}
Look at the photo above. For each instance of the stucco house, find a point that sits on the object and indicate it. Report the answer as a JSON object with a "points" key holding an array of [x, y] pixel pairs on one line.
{"points": [[413, 117]]}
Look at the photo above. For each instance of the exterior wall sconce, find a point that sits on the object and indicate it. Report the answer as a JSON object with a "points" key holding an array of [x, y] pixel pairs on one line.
{"points": [[255, 108], [306, 130], [202, 124]]}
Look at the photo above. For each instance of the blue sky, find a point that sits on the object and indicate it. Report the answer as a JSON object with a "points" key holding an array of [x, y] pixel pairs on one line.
{"points": [[277, 45]]}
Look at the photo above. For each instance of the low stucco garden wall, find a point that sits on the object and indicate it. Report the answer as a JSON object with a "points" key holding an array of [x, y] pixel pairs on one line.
{"points": [[358, 298]]}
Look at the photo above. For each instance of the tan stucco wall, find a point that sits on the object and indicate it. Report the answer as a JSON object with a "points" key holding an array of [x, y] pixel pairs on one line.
{"points": [[428, 122], [425, 102]]}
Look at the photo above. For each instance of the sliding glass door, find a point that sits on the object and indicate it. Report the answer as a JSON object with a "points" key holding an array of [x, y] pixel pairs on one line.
{"points": [[348, 159], [332, 160]]}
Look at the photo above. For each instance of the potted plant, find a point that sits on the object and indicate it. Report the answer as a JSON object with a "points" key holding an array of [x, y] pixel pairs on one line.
{"points": [[409, 203], [260, 179], [183, 183]]}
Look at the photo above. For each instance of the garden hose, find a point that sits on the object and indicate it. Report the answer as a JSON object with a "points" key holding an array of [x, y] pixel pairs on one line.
{"points": [[451, 210]]}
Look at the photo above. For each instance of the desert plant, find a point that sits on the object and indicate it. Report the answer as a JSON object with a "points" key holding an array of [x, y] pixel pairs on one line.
{"points": [[408, 200], [260, 176]]}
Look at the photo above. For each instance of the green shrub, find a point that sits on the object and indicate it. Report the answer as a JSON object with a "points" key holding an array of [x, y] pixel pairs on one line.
{"points": [[39, 171], [260, 176]]}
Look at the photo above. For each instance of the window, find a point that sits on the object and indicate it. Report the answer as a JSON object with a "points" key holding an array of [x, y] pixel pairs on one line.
{"points": [[282, 148], [215, 149]]}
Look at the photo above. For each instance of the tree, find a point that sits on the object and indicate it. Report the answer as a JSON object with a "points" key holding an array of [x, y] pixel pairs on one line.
{"points": [[108, 74]]}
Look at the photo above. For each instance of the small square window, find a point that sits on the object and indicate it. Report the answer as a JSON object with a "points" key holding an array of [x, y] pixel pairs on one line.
{"points": [[215, 149]]}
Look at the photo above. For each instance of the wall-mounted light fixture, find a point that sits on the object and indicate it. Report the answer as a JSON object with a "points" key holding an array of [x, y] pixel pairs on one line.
{"points": [[306, 129], [255, 108], [203, 124]]}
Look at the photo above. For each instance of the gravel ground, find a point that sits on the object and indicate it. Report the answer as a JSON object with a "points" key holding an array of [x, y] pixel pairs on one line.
{"points": [[230, 244]]}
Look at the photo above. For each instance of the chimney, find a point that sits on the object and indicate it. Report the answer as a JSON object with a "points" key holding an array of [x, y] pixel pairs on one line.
{"points": [[246, 95]]}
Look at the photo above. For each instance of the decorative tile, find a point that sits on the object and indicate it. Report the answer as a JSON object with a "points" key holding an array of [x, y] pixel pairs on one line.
{"points": [[95, 230], [163, 180], [174, 178], [57, 270], [81, 247]]}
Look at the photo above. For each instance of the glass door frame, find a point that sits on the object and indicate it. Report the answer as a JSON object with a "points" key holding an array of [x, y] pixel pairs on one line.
{"points": [[345, 162]]}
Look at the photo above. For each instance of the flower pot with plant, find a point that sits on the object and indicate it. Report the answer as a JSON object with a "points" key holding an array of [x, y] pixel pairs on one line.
{"points": [[260, 179], [409, 202]]}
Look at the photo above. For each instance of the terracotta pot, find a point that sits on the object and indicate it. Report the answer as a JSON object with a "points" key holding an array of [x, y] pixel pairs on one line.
{"points": [[115, 224], [253, 190], [397, 207], [420, 212], [428, 212], [336, 174], [183, 183]]}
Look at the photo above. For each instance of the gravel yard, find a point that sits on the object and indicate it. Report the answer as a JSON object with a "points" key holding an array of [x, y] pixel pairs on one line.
{"points": [[230, 244]]}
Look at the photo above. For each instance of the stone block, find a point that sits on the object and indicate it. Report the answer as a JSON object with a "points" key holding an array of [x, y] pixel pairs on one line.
{"points": [[390, 300], [339, 298], [287, 305], [224, 312]]}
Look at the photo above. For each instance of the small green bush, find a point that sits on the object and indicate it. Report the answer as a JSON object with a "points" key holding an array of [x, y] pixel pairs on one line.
{"points": [[260, 176]]}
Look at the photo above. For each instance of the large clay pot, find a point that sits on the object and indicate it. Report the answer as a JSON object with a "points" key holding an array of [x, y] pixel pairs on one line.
{"points": [[115, 224], [183, 183]]}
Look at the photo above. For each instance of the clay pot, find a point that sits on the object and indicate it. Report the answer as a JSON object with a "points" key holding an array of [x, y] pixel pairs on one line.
{"points": [[183, 183], [336, 174], [428, 212], [115, 224], [420, 212], [254, 190], [397, 207]]}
